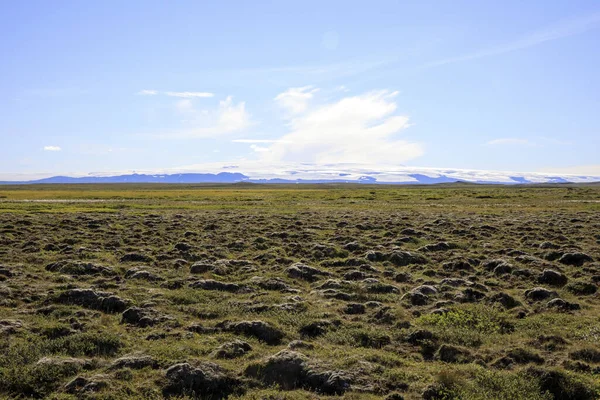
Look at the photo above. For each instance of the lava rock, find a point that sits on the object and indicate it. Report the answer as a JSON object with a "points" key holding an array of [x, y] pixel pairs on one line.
{"points": [[258, 329], [539, 294], [89, 298], [292, 370], [575, 259], [234, 349], [205, 380], [551, 277]]}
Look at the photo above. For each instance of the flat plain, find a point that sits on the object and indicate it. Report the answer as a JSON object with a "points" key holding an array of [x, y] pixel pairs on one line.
{"points": [[299, 292]]}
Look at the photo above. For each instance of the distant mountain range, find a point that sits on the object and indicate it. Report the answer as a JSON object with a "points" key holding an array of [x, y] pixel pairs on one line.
{"points": [[404, 177]]}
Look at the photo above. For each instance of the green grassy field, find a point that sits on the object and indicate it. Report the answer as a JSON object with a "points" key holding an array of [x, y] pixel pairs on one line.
{"points": [[284, 198], [300, 291]]}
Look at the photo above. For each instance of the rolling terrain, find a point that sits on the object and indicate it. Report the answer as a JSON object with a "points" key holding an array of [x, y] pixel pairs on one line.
{"points": [[213, 291]]}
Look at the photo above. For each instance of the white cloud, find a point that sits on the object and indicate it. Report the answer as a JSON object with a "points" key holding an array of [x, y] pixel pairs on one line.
{"points": [[259, 149], [575, 170], [295, 100], [509, 141], [184, 106], [229, 117], [259, 141], [357, 129], [189, 94], [52, 148], [232, 117]]}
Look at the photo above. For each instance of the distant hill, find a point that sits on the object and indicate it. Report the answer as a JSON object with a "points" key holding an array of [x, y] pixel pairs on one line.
{"points": [[400, 177], [223, 177]]}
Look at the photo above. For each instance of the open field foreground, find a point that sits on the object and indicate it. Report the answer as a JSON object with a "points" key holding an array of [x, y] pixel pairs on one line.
{"points": [[300, 292]]}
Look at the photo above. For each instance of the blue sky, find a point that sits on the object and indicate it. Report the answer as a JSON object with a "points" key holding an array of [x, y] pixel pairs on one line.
{"points": [[89, 87]]}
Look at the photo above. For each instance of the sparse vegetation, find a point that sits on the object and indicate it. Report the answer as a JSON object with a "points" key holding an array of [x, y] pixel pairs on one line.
{"points": [[279, 292]]}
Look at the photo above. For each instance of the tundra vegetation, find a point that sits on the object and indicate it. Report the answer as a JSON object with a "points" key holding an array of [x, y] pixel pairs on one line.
{"points": [[300, 292]]}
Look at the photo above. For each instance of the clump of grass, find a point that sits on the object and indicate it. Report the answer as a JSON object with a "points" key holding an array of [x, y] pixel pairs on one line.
{"points": [[35, 380], [501, 385], [359, 336], [91, 344], [469, 326]]}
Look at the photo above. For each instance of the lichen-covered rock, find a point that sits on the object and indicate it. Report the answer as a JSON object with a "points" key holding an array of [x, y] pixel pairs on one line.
{"points": [[504, 299], [404, 258], [79, 268], [551, 277], [562, 305], [134, 361], [576, 259], [234, 349], [453, 354], [205, 380], [143, 317], [302, 271], [292, 370], [97, 300], [258, 329], [211, 284], [539, 294], [139, 273]]}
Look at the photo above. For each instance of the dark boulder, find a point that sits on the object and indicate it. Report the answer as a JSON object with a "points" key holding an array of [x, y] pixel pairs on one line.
{"points": [[136, 257], [97, 300], [302, 271], [562, 305], [575, 259], [453, 354], [79, 268], [258, 329], [134, 361], [292, 370], [205, 380], [551, 277], [142, 317], [539, 294], [504, 299], [234, 349], [354, 308], [404, 258], [315, 328], [211, 284]]}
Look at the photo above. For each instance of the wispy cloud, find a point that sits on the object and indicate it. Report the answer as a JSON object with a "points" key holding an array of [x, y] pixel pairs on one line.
{"points": [[510, 141], [259, 141], [259, 149], [189, 94], [295, 100], [147, 92], [228, 118], [52, 148], [559, 30]]}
